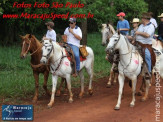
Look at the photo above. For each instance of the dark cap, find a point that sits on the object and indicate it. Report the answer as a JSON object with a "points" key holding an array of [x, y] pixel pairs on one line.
{"points": [[51, 24], [146, 16], [72, 19]]}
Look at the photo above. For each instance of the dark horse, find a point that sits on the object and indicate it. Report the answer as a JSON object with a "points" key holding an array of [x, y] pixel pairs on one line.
{"points": [[32, 45]]}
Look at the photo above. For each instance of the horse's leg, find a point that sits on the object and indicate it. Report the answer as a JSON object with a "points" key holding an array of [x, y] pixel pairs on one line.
{"points": [[90, 73], [110, 77], [65, 89], [147, 84], [121, 84], [115, 78], [82, 83], [54, 84], [46, 75], [134, 81], [36, 76], [141, 88], [68, 80], [58, 93]]}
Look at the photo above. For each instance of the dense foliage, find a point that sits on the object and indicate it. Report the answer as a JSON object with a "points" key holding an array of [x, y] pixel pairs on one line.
{"points": [[103, 11]]}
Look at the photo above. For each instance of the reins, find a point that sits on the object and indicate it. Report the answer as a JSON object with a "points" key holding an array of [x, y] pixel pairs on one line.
{"points": [[126, 54], [54, 70]]}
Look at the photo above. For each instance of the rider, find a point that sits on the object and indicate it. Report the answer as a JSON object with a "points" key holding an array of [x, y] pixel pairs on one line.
{"points": [[153, 20], [122, 25], [51, 34], [144, 36], [135, 24], [74, 35]]}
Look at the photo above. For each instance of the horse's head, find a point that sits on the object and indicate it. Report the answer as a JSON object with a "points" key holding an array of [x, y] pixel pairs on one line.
{"points": [[46, 51], [26, 45], [107, 32], [113, 43]]}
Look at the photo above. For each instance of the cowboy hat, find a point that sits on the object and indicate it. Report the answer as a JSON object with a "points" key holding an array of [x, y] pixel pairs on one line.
{"points": [[135, 20], [161, 15]]}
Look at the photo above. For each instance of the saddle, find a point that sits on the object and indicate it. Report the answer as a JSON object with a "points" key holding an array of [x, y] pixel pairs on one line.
{"points": [[141, 48], [71, 57]]}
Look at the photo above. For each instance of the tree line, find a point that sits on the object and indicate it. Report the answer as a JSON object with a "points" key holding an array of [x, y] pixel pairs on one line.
{"points": [[103, 10]]}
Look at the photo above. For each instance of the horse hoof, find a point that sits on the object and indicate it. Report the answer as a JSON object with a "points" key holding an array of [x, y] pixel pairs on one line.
{"points": [[143, 99], [108, 86], [49, 106], [70, 101], [117, 108], [81, 95], [34, 101], [90, 92], [132, 105]]}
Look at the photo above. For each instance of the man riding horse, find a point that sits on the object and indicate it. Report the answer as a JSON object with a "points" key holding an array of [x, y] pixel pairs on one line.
{"points": [[144, 36], [74, 35], [143, 42]]}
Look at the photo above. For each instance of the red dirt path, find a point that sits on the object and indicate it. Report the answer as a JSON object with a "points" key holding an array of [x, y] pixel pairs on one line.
{"points": [[99, 107]]}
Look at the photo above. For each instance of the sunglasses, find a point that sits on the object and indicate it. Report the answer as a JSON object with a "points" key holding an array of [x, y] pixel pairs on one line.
{"points": [[71, 23]]}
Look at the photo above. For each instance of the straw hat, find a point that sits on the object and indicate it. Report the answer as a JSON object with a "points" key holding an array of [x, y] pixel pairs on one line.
{"points": [[161, 15], [135, 20]]}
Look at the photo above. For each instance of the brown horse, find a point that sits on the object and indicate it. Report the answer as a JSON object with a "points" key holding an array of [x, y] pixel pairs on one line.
{"points": [[32, 45]]}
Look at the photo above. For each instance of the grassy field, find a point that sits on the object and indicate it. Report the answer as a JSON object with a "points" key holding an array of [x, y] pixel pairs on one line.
{"points": [[16, 78]]}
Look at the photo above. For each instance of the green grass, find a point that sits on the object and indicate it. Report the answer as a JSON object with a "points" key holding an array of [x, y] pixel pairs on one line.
{"points": [[16, 78]]}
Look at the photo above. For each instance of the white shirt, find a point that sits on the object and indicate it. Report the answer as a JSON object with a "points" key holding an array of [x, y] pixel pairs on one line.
{"points": [[153, 21], [71, 38], [149, 29], [51, 34]]}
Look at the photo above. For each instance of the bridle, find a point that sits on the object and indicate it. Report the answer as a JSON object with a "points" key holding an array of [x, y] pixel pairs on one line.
{"points": [[29, 47], [130, 51], [112, 48], [47, 57], [52, 49]]}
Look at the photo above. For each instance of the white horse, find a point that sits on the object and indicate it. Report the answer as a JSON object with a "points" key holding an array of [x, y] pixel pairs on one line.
{"points": [[61, 66], [107, 32], [158, 49], [129, 65]]}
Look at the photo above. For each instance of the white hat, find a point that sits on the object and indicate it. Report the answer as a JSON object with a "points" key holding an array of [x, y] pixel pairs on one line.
{"points": [[161, 15], [135, 20]]}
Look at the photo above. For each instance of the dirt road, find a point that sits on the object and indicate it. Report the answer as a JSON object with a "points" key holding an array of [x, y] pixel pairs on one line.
{"points": [[99, 107]]}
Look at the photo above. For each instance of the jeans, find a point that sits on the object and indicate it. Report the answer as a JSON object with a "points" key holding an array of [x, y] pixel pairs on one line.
{"points": [[77, 56], [148, 59]]}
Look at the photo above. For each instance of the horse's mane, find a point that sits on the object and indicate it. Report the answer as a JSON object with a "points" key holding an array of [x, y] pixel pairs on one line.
{"points": [[32, 36], [111, 28]]}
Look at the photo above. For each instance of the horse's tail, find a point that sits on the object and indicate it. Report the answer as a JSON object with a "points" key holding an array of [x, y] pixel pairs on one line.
{"points": [[91, 54]]}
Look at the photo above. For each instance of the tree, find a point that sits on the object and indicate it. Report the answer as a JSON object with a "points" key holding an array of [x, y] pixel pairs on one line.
{"points": [[103, 11]]}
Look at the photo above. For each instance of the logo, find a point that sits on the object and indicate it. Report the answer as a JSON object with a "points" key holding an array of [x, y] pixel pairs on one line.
{"points": [[17, 112]]}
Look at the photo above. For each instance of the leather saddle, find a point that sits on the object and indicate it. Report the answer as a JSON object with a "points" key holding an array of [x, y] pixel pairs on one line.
{"points": [[70, 56]]}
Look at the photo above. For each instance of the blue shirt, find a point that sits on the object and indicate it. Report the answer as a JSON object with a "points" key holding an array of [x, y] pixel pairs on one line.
{"points": [[123, 24]]}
